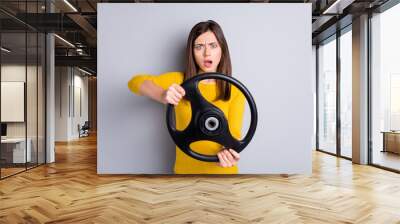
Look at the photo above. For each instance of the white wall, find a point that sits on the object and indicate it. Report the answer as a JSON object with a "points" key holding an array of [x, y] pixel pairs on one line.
{"points": [[67, 117], [15, 72], [12, 73], [79, 117], [61, 103], [314, 75], [270, 47]]}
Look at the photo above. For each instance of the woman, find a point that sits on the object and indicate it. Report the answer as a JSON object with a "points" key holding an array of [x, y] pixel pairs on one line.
{"points": [[206, 51]]}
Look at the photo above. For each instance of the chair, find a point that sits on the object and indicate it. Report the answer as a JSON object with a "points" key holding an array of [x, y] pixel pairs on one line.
{"points": [[84, 130]]}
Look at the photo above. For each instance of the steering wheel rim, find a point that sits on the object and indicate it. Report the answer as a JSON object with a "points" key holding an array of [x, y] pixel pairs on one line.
{"points": [[208, 122]]}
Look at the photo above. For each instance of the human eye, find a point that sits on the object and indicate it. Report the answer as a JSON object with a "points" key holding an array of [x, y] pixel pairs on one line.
{"points": [[214, 45], [198, 46]]}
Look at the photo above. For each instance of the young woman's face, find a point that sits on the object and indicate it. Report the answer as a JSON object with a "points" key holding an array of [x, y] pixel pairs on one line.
{"points": [[207, 52]]}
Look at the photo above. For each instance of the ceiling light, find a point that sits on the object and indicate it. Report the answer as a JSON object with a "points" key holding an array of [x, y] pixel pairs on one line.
{"points": [[5, 49], [70, 5], [64, 40], [86, 72], [338, 6], [331, 7]]}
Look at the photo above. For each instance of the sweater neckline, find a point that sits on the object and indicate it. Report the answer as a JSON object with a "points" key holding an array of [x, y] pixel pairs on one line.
{"points": [[208, 84]]}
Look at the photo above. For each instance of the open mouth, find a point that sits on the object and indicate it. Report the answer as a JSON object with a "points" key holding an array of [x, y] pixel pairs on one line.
{"points": [[207, 63]]}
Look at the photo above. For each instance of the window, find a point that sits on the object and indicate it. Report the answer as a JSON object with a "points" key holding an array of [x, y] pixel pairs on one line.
{"points": [[327, 96], [385, 89], [346, 93]]}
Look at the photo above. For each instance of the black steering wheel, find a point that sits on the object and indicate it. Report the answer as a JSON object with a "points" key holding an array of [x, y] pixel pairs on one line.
{"points": [[208, 122]]}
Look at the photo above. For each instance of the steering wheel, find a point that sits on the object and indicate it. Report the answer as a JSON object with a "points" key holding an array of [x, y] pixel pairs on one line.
{"points": [[208, 122]]}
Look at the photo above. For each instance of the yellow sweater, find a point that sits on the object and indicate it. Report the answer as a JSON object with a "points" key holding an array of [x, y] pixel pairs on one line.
{"points": [[233, 110]]}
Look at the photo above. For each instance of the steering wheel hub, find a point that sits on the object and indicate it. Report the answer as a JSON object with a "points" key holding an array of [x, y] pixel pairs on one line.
{"points": [[211, 123]]}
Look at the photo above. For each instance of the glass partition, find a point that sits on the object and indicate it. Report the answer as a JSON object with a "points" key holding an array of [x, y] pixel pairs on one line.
{"points": [[327, 96], [22, 78], [13, 109], [346, 93], [385, 89]]}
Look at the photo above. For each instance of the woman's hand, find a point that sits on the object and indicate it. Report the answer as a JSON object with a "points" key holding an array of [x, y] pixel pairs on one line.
{"points": [[228, 157], [173, 94]]}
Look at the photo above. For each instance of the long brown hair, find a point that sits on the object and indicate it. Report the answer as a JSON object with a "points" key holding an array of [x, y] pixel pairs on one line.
{"points": [[225, 67]]}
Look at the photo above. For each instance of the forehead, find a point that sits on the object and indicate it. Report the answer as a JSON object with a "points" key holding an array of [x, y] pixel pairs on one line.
{"points": [[208, 36]]}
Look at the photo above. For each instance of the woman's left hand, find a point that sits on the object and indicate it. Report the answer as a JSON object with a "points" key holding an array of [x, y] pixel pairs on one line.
{"points": [[228, 157]]}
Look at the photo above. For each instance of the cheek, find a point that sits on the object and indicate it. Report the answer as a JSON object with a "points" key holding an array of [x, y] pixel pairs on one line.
{"points": [[217, 56], [198, 58], [197, 55]]}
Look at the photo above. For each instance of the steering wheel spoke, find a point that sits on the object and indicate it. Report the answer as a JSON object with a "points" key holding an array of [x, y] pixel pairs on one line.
{"points": [[228, 141], [196, 99]]}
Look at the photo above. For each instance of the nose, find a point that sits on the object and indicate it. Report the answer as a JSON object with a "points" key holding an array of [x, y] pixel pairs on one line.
{"points": [[206, 51]]}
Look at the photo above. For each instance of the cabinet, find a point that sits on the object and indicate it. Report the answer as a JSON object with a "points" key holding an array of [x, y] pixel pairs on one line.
{"points": [[391, 142]]}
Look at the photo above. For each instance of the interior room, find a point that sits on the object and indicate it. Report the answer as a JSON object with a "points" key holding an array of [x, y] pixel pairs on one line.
{"points": [[167, 111]]}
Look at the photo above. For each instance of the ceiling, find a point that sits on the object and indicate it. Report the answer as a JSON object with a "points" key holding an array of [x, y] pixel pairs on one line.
{"points": [[76, 22]]}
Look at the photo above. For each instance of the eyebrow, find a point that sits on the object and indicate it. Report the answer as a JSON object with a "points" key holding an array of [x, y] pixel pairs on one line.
{"points": [[208, 43]]}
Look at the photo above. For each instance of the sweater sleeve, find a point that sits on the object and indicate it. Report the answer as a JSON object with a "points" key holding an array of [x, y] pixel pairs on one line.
{"points": [[235, 114], [163, 80]]}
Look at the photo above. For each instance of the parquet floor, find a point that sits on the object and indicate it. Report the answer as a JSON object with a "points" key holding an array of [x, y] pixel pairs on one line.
{"points": [[70, 191], [10, 171]]}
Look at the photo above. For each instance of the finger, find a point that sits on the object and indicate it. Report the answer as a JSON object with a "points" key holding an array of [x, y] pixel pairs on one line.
{"points": [[176, 99], [178, 95], [180, 89], [235, 154], [226, 159], [173, 91], [171, 100], [173, 97], [221, 160], [168, 99], [232, 160], [230, 157]]}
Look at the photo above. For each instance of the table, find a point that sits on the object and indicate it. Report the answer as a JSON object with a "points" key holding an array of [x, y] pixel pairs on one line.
{"points": [[15, 148]]}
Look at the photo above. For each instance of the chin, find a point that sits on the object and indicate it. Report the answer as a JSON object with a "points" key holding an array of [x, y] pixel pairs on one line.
{"points": [[209, 70]]}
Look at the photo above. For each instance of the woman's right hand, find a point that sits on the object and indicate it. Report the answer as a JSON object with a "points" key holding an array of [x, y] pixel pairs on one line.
{"points": [[173, 94]]}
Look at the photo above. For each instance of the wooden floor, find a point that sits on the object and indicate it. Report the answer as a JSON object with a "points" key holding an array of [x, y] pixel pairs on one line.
{"points": [[5, 172], [70, 191], [387, 159]]}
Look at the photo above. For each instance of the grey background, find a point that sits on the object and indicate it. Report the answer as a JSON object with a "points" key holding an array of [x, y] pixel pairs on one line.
{"points": [[270, 46]]}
